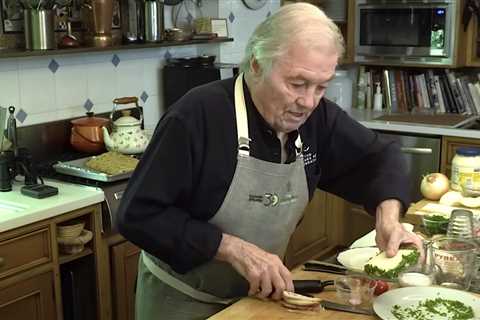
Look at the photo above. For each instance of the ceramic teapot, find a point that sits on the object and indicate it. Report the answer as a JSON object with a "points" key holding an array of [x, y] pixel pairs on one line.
{"points": [[127, 135]]}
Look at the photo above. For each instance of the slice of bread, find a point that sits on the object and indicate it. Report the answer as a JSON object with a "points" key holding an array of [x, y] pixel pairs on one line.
{"points": [[382, 266]]}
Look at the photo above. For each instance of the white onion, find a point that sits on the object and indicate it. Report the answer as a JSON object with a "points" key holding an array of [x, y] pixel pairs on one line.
{"points": [[434, 186]]}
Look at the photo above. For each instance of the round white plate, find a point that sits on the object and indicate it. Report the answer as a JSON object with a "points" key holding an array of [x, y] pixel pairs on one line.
{"points": [[411, 296], [355, 259]]}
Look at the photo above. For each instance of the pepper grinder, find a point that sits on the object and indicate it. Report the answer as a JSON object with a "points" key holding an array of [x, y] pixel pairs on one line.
{"points": [[12, 130]]}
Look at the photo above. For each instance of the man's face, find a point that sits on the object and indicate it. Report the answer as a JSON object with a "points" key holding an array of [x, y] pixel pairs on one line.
{"points": [[293, 88]]}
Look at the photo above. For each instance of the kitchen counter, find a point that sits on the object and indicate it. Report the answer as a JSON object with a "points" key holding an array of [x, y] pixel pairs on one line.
{"points": [[17, 210], [366, 118], [251, 308]]}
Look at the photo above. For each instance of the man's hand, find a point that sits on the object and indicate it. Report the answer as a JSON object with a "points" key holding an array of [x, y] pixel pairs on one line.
{"points": [[265, 272], [390, 233]]}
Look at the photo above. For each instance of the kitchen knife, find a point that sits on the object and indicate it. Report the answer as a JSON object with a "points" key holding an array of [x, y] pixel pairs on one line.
{"points": [[325, 267], [310, 286], [344, 307]]}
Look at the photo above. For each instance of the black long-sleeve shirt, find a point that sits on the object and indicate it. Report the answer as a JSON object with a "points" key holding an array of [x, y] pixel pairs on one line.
{"points": [[185, 172]]}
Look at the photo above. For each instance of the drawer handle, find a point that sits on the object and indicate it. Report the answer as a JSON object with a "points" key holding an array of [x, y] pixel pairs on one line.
{"points": [[417, 150], [2, 262]]}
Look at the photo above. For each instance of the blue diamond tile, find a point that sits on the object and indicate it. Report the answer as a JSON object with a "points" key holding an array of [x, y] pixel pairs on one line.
{"points": [[115, 60], [88, 105], [144, 96], [189, 18], [269, 13], [167, 55], [53, 66], [231, 17], [21, 115]]}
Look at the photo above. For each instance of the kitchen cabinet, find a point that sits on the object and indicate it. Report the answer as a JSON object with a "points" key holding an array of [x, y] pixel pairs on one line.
{"points": [[473, 43], [124, 260], [38, 281], [449, 147], [328, 222]]}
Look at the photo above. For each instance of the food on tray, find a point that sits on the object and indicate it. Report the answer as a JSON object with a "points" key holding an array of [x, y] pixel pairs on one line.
{"points": [[435, 224], [112, 163], [382, 266], [437, 308], [297, 301]]}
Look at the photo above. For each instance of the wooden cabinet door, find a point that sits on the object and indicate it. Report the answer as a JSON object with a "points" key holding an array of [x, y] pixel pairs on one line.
{"points": [[124, 274], [28, 299], [310, 237]]}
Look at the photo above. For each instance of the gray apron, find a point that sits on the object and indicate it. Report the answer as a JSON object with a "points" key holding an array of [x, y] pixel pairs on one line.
{"points": [[263, 205]]}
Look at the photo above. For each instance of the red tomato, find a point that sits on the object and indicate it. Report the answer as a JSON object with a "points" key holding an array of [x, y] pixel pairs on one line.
{"points": [[381, 287]]}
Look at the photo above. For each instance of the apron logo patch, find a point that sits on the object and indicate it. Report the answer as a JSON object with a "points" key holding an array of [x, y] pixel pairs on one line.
{"points": [[309, 158], [272, 199]]}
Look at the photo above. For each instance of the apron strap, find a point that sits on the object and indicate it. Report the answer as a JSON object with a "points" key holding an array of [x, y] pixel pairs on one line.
{"points": [[177, 284], [241, 116]]}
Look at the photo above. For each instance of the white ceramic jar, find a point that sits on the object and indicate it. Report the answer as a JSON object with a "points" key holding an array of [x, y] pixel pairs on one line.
{"points": [[340, 90], [466, 169]]}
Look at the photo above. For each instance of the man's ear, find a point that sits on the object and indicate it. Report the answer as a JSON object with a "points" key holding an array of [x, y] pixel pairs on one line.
{"points": [[255, 67]]}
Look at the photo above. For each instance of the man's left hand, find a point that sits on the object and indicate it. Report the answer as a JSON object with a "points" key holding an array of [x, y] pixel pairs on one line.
{"points": [[390, 233]]}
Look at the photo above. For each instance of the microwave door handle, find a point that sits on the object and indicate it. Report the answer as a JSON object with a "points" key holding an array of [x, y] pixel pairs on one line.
{"points": [[416, 150]]}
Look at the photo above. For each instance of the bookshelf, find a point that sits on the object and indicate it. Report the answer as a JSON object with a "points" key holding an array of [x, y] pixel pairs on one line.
{"points": [[423, 90]]}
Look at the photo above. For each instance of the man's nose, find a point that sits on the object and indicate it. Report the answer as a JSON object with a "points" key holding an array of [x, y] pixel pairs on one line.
{"points": [[309, 99]]}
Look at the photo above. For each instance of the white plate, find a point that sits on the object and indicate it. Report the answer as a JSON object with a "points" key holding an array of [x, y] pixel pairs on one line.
{"points": [[355, 259], [411, 296]]}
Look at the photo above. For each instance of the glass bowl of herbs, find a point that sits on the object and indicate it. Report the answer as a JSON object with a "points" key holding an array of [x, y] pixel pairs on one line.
{"points": [[435, 224]]}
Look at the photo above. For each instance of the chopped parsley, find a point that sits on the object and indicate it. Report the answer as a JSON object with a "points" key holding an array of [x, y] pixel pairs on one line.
{"points": [[434, 309]]}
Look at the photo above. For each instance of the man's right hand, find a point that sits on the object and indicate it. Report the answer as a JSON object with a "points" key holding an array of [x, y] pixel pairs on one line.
{"points": [[265, 272]]}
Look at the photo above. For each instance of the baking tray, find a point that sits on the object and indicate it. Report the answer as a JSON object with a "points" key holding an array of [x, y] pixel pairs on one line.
{"points": [[77, 168]]}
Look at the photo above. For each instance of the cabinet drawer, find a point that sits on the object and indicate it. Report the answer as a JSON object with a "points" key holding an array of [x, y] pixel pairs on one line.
{"points": [[24, 251]]}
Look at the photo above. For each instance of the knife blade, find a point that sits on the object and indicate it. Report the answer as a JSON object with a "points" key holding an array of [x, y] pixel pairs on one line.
{"points": [[330, 305], [325, 267]]}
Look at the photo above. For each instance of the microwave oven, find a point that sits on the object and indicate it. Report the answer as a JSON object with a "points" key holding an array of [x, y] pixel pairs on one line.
{"points": [[406, 31]]}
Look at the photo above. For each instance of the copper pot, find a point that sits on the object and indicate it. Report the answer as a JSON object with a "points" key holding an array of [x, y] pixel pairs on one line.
{"points": [[87, 135]]}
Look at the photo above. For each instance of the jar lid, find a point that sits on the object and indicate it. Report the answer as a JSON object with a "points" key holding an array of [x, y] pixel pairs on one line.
{"points": [[90, 121], [468, 151]]}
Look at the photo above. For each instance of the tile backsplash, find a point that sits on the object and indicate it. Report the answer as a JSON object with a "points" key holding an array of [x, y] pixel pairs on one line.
{"points": [[57, 87]]}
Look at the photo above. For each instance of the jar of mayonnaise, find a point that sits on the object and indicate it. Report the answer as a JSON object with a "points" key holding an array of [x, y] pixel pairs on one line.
{"points": [[466, 169]]}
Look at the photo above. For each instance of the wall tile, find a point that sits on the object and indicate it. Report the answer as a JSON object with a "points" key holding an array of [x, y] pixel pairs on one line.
{"points": [[8, 65], [9, 94], [36, 118], [101, 83], [152, 72], [33, 100], [130, 78], [71, 86], [153, 109]]}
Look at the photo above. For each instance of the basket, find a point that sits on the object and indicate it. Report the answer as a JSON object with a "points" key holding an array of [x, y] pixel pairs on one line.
{"points": [[74, 245], [70, 231]]}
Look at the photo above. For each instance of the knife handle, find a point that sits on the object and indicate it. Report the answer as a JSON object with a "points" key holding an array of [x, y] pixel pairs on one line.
{"points": [[310, 286]]}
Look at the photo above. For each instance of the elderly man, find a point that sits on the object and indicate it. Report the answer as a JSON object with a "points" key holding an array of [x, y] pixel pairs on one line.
{"points": [[233, 164]]}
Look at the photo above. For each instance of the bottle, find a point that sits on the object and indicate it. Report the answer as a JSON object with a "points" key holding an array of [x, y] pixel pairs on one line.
{"points": [[340, 90], [466, 169], [378, 98]]}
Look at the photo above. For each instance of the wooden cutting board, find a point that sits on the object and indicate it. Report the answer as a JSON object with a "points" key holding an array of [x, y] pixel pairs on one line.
{"points": [[417, 210]]}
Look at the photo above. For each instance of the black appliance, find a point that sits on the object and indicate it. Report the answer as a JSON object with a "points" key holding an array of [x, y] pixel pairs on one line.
{"points": [[181, 75]]}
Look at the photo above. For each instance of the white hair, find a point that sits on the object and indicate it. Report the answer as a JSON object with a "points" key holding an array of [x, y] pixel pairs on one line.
{"points": [[294, 23]]}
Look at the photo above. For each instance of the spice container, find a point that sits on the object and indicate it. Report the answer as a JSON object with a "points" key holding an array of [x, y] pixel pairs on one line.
{"points": [[466, 169]]}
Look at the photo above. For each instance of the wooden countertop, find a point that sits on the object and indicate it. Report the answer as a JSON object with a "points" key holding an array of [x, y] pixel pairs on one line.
{"points": [[251, 308]]}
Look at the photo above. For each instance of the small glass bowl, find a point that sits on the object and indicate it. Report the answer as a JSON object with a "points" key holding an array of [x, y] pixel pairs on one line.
{"points": [[355, 290], [417, 276], [435, 224]]}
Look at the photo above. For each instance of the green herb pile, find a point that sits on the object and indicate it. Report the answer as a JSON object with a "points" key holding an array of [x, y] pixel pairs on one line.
{"points": [[434, 309], [435, 224], [407, 261]]}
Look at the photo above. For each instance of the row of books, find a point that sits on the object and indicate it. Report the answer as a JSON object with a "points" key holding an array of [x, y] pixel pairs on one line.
{"points": [[440, 90]]}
